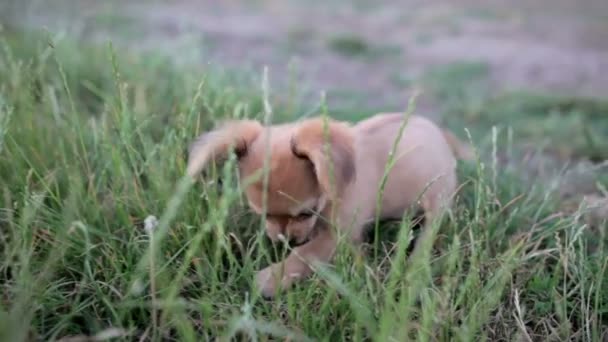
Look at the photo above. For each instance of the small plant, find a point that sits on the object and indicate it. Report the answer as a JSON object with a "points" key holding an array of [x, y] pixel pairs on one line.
{"points": [[349, 45]]}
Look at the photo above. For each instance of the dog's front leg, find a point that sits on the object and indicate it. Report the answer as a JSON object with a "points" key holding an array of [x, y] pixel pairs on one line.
{"points": [[297, 265]]}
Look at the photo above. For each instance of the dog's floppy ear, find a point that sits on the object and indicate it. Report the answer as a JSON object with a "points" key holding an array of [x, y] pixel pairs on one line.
{"points": [[317, 140], [217, 144]]}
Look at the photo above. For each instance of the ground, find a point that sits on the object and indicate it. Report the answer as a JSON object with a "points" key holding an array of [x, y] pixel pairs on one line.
{"points": [[362, 52]]}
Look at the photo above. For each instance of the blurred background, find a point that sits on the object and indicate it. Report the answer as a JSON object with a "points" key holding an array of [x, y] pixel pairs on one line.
{"points": [[369, 52], [538, 67], [367, 47]]}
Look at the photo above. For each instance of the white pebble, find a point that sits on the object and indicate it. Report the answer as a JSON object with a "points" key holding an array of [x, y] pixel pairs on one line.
{"points": [[150, 224]]}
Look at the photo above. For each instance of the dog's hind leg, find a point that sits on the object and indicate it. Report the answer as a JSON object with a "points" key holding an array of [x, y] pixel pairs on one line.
{"points": [[436, 205]]}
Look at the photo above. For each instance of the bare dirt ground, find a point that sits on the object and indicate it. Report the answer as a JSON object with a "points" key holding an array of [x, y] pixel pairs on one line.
{"points": [[365, 53]]}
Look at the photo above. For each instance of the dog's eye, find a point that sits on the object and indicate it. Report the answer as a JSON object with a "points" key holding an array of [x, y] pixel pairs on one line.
{"points": [[304, 216]]}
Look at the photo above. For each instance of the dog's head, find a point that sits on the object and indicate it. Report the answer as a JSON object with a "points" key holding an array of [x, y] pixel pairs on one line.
{"points": [[309, 166]]}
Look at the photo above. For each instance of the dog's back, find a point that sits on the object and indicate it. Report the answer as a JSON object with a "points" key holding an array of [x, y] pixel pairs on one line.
{"points": [[424, 161]]}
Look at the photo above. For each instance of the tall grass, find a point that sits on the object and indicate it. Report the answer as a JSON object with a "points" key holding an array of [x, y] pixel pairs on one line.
{"points": [[102, 236]]}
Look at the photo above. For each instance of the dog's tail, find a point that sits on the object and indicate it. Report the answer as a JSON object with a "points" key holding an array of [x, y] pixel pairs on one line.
{"points": [[461, 149]]}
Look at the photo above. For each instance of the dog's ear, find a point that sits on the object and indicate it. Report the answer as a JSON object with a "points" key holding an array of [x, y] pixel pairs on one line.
{"points": [[217, 144], [329, 145]]}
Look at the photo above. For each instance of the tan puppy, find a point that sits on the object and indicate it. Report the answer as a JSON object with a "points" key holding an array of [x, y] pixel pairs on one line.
{"points": [[339, 181]]}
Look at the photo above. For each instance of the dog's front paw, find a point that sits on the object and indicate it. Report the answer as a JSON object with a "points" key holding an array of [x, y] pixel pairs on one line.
{"points": [[266, 281], [274, 278]]}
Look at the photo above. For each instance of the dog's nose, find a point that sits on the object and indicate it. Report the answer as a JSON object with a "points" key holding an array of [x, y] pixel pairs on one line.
{"points": [[283, 237], [295, 242]]}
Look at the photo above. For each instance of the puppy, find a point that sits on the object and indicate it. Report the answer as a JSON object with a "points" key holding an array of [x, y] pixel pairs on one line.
{"points": [[321, 170]]}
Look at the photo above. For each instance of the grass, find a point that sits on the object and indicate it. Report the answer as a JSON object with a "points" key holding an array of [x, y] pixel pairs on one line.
{"points": [[92, 146], [109, 22], [535, 118], [353, 46], [349, 45]]}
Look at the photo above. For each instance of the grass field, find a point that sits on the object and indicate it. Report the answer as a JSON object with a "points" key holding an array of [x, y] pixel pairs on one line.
{"points": [[92, 145]]}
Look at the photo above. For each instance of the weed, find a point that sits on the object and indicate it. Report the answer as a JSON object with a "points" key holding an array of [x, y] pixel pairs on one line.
{"points": [[349, 45], [357, 47]]}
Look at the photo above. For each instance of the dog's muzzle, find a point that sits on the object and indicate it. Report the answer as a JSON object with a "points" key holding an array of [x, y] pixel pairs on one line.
{"points": [[313, 232]]}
